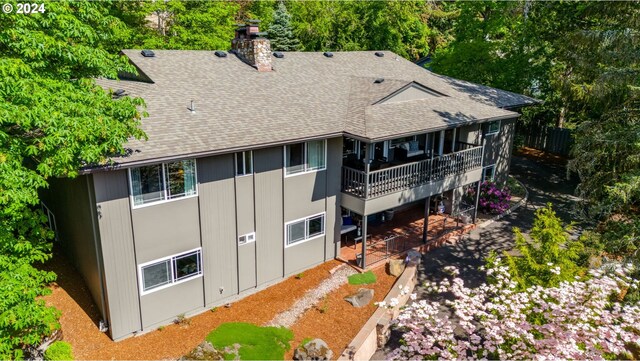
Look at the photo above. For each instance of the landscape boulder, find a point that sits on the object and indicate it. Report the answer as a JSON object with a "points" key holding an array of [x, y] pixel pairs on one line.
{"points": [[203, 352], [360, 298], [315, 349], [396, 267]]}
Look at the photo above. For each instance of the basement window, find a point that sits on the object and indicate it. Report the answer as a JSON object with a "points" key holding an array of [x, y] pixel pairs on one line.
{"points": [[305, 229], [165, 272], [162, 182], [305, 157]]}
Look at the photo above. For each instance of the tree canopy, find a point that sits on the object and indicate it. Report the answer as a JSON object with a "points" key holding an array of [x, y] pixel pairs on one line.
{"points": [[54, 120]]}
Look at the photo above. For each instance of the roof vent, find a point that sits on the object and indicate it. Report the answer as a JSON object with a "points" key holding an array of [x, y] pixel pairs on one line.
{"points": [[278, 54], [119, 93], [379, 54], [148, 53], [328, 54], [220, 54], [379, 80]]}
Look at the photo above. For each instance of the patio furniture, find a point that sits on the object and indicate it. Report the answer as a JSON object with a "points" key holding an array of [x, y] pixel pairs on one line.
{"points": [[359, 238]]}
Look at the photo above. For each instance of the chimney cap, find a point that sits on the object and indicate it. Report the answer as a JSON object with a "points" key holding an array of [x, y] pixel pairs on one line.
{"points": [[328, 54], [253, 21], [239, 25]]}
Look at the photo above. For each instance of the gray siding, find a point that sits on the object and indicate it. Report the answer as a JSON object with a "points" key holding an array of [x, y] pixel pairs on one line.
{"points": [[71, 201], [217, 217], [163, 230], [334, 221], [498, 149], [304, 195], [246, 224], [116, 239], [269, 213]]}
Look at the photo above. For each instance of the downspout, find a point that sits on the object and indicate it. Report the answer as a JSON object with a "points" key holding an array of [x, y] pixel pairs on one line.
{"points": [[94, 215]]}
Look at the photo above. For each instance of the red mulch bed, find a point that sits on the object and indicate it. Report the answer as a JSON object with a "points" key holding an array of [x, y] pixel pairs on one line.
{"points": [[337, 326], [540, 155]]}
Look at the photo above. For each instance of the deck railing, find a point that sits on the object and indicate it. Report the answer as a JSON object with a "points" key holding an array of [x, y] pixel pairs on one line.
{"points": [[405, 176]]}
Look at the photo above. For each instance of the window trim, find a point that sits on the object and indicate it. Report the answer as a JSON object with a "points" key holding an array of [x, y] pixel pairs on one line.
{"points": [[306, 163], [173, 280], [164, 189], [487, 132], [306, 229], [493, 173], [243, 163], [247, 235]]}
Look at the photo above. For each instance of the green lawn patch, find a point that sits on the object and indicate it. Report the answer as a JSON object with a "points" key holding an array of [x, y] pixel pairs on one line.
{"points": [[256, 343], [362, 278]]}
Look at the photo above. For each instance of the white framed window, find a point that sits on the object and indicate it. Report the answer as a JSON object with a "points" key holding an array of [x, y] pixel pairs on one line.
{"points": [[162, 273], [488, 173], [304, 229], [162, 182], [244, 163], [492, 128], [247, 238], [305, 157]]}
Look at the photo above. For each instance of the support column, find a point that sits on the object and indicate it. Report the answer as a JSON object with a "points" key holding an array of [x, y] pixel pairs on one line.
{"points": [[364, 241], [475, 210], [425, 226], [453, 140], [441, 145]]}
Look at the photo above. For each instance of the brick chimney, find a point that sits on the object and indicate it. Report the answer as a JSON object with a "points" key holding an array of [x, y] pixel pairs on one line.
{"points": [[250, 46]]}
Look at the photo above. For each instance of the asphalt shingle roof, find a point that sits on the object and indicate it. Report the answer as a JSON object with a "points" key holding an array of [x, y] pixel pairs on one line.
{"points": [[306, 96]]}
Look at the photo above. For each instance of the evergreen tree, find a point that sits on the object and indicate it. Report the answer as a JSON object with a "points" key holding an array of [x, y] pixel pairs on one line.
{"points": [[281, 32]]}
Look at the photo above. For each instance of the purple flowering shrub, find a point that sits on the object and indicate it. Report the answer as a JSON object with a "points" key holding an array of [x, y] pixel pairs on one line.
{"points": [[580, 319], [493, 199]]}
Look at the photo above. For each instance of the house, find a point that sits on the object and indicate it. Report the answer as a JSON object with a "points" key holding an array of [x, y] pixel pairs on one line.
{"points": [[253, 158]]}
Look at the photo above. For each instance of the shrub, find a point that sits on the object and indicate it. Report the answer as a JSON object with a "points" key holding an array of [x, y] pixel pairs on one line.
{"points": [[58, 350], [550, 257], [362, 278], [493, 200], [256, 343], [576, 320]]}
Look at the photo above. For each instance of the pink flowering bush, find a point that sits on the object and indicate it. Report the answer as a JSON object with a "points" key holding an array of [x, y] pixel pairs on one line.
{"points": [[492, 199], [575, 320]]}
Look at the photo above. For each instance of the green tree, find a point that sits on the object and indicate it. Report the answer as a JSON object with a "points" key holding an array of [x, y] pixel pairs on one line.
{"points": [[280, 31], [54, 120], [550, 257]]}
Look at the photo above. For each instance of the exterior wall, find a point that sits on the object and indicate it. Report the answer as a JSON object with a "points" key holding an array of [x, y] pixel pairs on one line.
{"points": [[118, 252], [268, 180], [470, 134], [216, 196], [159, 231], [498, 149], [72, 203]]}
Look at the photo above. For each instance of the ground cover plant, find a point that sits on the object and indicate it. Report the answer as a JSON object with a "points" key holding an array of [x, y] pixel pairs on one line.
{"points": [[59, 351], [362, 278], [256, 343]]}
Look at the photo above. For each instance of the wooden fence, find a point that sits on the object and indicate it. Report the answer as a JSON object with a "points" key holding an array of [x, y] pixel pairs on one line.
{"points": [[550, 139]]}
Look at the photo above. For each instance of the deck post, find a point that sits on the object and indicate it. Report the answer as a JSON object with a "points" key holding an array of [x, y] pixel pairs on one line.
{"points": [[425, 226], [475, 210], [364, 242]]}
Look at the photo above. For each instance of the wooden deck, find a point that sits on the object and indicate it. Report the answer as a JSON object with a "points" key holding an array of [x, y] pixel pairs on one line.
{"points": [[404, 232]]}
